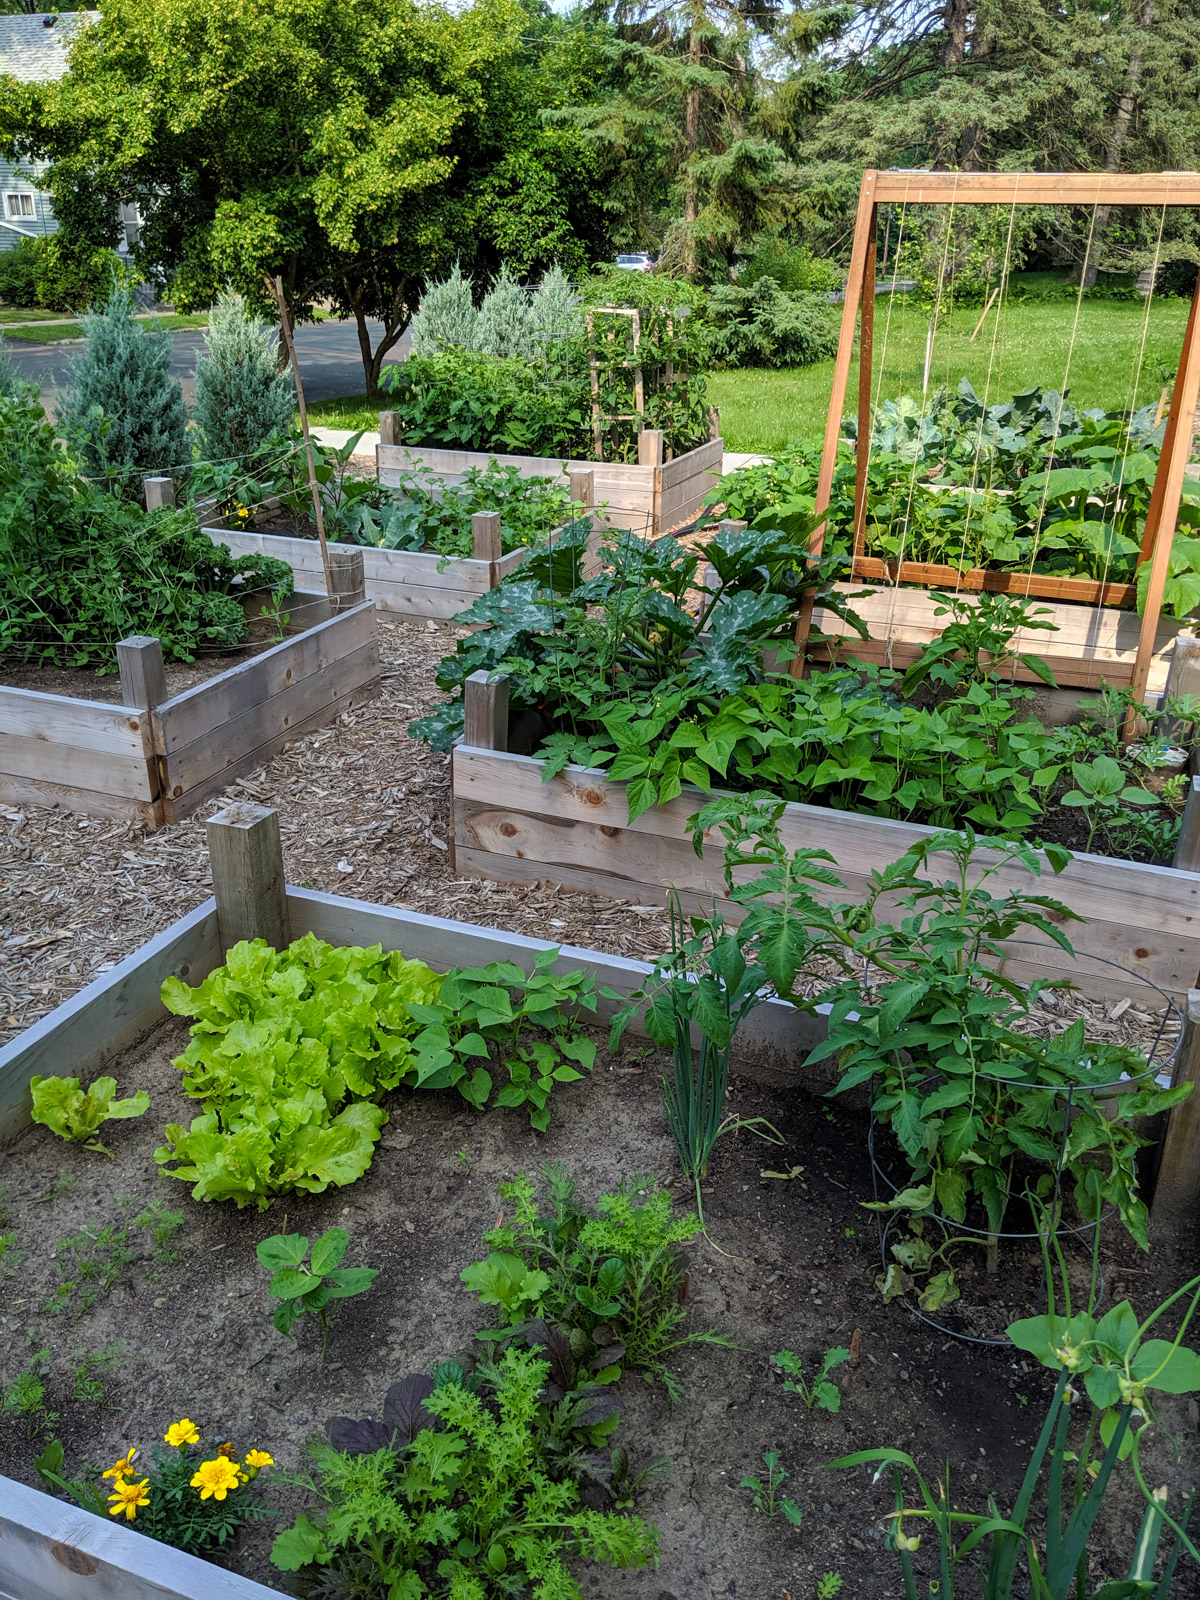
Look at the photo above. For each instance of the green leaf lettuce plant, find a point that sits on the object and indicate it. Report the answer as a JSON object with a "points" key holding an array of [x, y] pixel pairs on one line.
{"points": [[76, 1114]]}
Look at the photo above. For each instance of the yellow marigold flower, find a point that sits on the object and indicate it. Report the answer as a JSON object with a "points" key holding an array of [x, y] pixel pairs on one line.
{"points": [[258, 1459], [227, 1449], [123, 1467], [215, 1478], [128, 1497], [181, 1433]]}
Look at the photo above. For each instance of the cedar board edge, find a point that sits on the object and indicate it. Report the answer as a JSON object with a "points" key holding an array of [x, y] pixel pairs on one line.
{"points": [[52, 1550]]}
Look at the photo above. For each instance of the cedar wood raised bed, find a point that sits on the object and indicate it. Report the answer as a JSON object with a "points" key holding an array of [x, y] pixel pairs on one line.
{"points": [[648, 498], [154, 759], [511, 827], [52, 1551]]}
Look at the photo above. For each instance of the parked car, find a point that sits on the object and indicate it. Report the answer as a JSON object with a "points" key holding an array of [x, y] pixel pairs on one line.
{"points": [[638, 262]]}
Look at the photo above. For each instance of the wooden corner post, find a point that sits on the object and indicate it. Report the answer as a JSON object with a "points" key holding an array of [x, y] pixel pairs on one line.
{"points": [[485, 537], [347, 577], [246, 851], [485, 712], [862, 271], [143, 676], [1163, 512]]}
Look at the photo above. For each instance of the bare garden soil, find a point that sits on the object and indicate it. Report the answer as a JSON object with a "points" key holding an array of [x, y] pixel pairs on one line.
{"points": [[90, 683], [791, 1265]]}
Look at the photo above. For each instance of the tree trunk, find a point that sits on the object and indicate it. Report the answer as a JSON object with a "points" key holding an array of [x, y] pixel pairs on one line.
{"points": [[1118, 135], [395, 320], [691, 138], [945, 145]]}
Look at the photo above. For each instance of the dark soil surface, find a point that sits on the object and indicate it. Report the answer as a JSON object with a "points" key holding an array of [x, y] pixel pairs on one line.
{"points": [[90, 683], [791, 1265]]}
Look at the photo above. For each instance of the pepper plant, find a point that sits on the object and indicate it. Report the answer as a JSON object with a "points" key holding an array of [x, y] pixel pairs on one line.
{"points": [[937, 1032]]}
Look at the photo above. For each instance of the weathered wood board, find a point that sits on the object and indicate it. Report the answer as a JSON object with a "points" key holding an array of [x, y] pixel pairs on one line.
{"points": [[647, 500], [158, 765], [52, 1550], [1091, 644], [409, 583], [207, 736], [79, 749], [511, 827]]}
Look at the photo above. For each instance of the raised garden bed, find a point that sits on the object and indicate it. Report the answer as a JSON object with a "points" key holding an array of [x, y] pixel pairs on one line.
{"points": [[1094, 645], [510, 826], [650, 498], [409, 583], [797, 1273], [154, 758]]}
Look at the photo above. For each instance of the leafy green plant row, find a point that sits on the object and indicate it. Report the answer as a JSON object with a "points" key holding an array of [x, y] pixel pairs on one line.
{"points": [[1030, 484], [292, 1051], [661, 681], [363, 511], [81, 570]]}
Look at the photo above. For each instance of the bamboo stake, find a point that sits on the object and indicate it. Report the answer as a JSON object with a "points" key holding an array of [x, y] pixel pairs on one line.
{"points": [[991, 302], [318, 508]]}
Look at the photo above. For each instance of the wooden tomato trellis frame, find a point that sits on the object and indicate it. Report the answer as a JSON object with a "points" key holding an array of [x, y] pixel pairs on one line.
{"points": [[1012, 189]]}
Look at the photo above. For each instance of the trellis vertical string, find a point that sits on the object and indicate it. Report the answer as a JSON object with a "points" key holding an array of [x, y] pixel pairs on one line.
{"points": [[1005, 266], [318, 509], [912, 477]]}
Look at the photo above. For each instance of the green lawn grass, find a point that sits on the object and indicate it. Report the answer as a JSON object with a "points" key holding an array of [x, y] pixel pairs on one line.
{"points": [[764, 411], [74, 330]]}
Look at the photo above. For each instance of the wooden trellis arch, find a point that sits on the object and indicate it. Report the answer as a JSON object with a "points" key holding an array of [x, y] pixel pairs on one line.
{"points": [[1089, 189]]}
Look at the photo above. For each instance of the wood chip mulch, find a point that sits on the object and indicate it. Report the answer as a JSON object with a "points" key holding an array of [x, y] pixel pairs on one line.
{"points": [[364, 811]]}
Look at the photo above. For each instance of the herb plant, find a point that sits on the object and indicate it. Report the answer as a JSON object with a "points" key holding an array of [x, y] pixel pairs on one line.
{"points": [[93, 1374], [312, 1288], [76, 1114], [820, 1391], [23, 1395], [704, 981], [620, 1269], [767, 1498], [464, 1504]]}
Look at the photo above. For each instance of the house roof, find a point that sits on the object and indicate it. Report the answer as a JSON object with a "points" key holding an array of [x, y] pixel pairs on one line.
{"points": [[34, 49]]}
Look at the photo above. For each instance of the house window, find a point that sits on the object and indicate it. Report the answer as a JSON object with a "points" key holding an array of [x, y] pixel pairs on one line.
{"points": [[19, 205]]}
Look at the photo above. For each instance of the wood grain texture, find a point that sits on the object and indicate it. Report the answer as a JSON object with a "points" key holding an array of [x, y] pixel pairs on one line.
{"points": [[1088, 642], [1175, 1210], [1145, 918], [17, 791], [414, 583], [246, 851], [91, 1028], [1083, 590], [1039, 188], [50, 1550], [197, 712], [217, 771]]}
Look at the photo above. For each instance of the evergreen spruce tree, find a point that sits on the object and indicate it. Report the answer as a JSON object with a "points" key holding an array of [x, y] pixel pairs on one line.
{"points": [[556, 311], [242, 398], [446, 318], [505, 325], [124, 412]]}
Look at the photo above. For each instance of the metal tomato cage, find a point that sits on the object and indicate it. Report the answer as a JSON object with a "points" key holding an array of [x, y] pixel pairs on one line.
{"points": [[884, 1187]]}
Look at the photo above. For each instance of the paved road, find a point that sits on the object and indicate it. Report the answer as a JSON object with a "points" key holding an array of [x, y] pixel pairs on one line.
{"points": [[328, 353]]}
